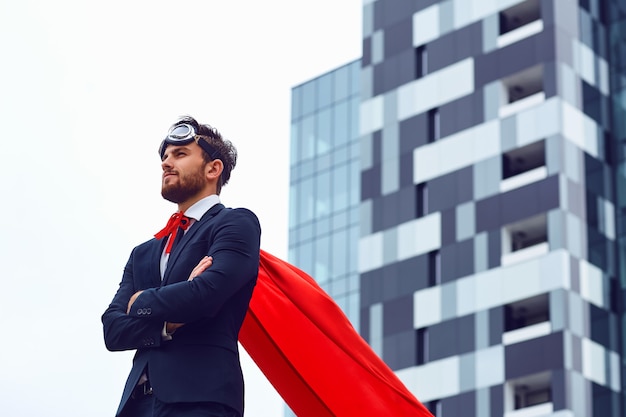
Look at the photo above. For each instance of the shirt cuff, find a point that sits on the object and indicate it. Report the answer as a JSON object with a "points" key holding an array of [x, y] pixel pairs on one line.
{"points": [[165, 336]]}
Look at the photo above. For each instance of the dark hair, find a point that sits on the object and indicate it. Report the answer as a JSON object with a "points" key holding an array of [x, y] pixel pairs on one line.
{"points": [[224, 150]]}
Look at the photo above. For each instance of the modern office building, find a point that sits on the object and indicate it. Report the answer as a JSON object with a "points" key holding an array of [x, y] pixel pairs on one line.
{"points": [[325, 183], [489, 261]]}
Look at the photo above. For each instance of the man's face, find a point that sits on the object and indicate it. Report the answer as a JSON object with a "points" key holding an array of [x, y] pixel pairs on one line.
{"points": [[183, 173]]}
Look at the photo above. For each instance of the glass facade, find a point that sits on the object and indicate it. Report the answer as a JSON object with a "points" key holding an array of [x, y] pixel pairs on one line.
{"points": [[324, 183]]}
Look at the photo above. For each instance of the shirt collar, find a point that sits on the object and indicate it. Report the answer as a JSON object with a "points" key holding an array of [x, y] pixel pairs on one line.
{"points": [[197, 210]]}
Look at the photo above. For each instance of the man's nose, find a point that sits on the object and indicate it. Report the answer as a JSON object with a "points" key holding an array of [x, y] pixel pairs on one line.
{"points": [[165, 163]]}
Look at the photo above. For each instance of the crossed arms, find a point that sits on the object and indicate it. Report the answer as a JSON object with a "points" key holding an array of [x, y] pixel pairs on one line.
{"points": [[200, 268], [136, 316]]}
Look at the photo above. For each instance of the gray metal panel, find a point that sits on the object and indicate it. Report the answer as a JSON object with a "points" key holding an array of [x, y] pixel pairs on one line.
{"points": [[534, 356], [399, 37], [398, 315]]}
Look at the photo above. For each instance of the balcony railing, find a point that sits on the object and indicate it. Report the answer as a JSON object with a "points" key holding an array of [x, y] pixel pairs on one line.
{"points": [[525, 254], [544, 409], [526, 333], [524, 178], [520, 33], [522, 104]]}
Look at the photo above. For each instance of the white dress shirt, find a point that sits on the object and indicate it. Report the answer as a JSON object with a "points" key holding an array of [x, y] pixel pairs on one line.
{"points": [[194, 213]]}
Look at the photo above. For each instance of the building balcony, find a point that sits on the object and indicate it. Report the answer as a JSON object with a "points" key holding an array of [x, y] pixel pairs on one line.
{"points": [[520, 33], [538, 410], [525, 254], [524, 178], [522, 104], [526, 333]]}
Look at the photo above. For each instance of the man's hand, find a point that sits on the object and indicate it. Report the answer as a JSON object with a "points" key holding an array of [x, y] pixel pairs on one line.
{"points": [[171, 327], [132, 300], [205, 262]]}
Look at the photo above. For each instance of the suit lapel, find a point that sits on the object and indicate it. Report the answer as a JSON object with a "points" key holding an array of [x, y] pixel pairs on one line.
{"points": [[155, 262], [188, 237]]}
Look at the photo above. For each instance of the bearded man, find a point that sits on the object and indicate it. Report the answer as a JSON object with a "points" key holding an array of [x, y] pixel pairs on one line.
{"points": [[182, 317]]}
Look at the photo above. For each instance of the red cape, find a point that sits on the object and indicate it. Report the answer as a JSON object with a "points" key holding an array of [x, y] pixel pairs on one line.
{"points": [[309, 351]]}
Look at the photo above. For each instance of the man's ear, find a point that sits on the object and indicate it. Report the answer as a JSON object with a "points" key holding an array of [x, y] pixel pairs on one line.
{"points": [[214, 169]]}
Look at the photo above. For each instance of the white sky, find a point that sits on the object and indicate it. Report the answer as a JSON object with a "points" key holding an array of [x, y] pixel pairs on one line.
{"points": [[87, 91]]}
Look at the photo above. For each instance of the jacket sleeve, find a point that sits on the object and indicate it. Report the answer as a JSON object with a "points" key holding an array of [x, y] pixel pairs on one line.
{"points": [[124, 332], [235, 250]]}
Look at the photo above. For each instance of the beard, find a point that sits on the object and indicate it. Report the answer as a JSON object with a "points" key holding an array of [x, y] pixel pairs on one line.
{"points": [[187, 186]]}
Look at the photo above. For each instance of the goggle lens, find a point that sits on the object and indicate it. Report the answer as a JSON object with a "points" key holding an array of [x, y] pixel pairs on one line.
{"points": [[181, 132]]}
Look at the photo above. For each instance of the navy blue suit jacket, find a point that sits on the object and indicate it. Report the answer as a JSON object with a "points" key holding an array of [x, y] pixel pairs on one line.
{"points": [[201, 362]]}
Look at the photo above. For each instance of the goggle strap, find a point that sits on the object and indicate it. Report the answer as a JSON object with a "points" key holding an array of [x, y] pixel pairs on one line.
{"points": [[206, 146]]}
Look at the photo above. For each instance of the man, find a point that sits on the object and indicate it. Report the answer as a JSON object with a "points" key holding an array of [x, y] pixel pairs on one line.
{"points": [[181, 316]]}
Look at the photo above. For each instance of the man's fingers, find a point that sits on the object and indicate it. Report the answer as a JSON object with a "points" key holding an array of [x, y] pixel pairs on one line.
{"points": [[171, 327], [132, 300], [202, 266]]}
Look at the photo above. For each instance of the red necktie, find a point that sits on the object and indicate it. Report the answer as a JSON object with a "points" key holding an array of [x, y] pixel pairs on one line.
{"points": [[177, 220]]}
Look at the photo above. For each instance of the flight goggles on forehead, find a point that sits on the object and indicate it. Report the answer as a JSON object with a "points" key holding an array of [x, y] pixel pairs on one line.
{"points": [[184, 134]]}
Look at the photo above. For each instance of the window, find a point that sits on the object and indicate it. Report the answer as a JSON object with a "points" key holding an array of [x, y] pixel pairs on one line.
{"points": [[519, 22], [523, 159], [421, 61], [435, 407], [434, 125], [529, 391], [522, 90], [525, 239], [434, 268], [527, 312], [323, 132], [519, 15], [422, 346], [528, 233], [527, 396], [523, 166], [421, 198], [523, 84]]}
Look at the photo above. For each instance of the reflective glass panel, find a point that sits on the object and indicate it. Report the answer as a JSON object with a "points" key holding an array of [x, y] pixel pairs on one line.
{"points": [[341, 125], [294, 147], [322, 259], [342, 85], [305, 199], [308, 98], [296, 95], [341, 188], [322, 194], [307, 138], [340, 253], [323, 131], [324, 90]]}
